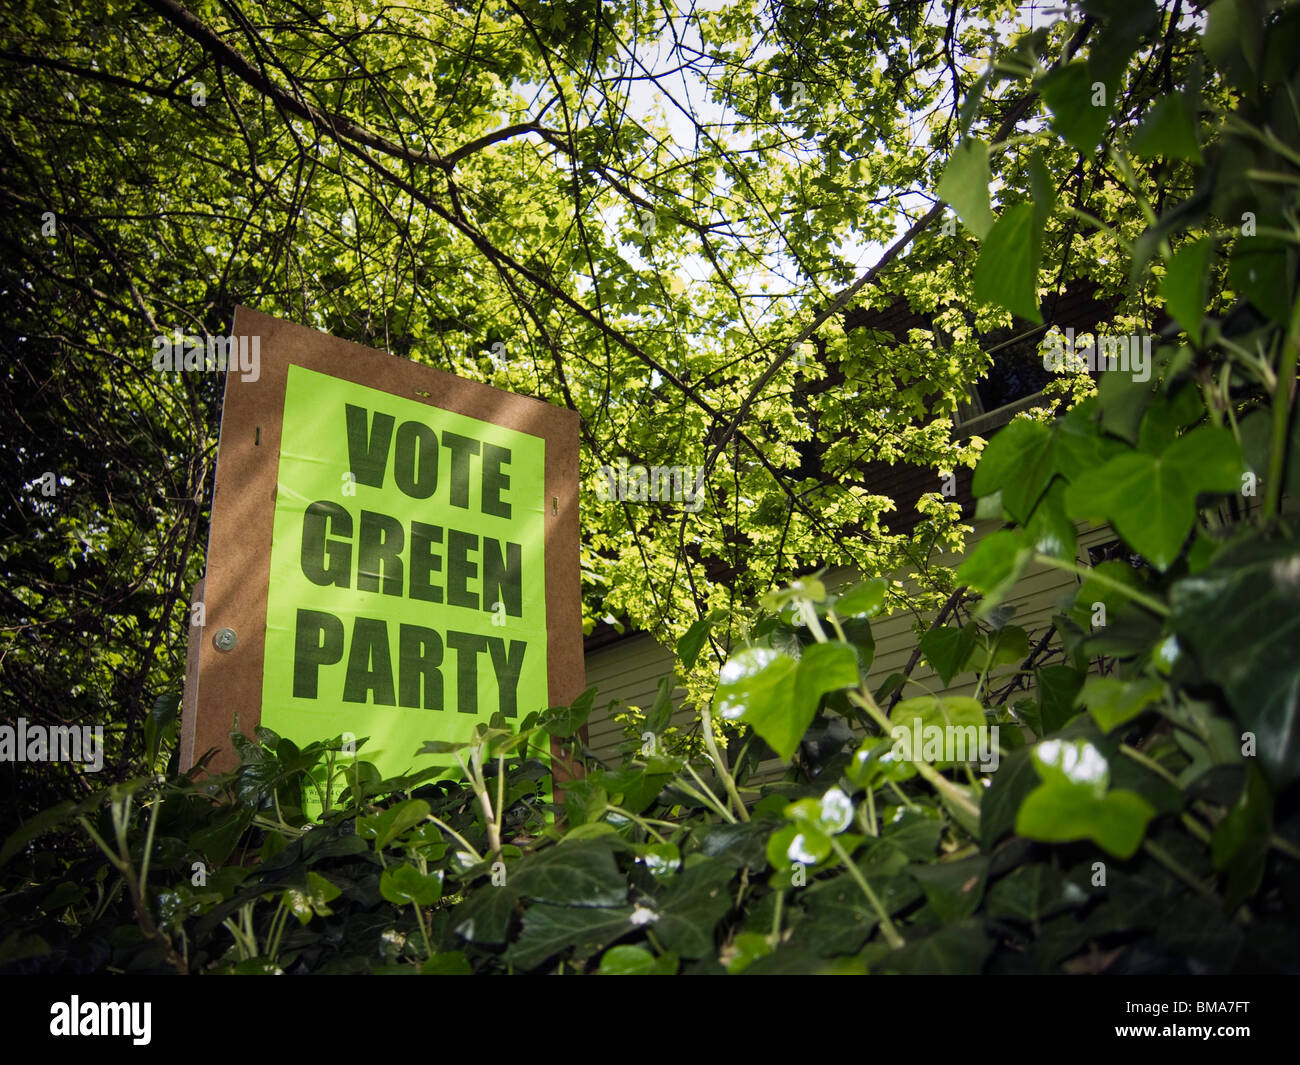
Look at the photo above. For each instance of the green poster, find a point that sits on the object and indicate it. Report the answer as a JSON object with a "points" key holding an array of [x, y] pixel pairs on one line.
{"points": [[407, 597]]}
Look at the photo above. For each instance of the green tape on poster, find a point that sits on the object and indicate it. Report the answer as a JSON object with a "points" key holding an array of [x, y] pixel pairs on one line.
{"points": [[407, 597]]}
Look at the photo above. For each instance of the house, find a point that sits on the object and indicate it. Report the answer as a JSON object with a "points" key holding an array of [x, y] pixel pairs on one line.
{"points": [[626, 667]]}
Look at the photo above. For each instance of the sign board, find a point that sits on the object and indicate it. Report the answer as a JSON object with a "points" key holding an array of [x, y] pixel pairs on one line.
{"points": [[393, 553]]}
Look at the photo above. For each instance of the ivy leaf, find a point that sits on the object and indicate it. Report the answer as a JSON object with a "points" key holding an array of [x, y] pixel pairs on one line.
{"points": [[1002, 466], [948, 649], [954, 949], [1259, 270], [1241, 616], [1151, 500], [404, 884], [636, 961], [1241, 840], [779, 696], [1069, 94], [691, 906], [862, 599], [387, 826], [661, 711], [1116, 821], [995, 565], [1113, 702], [1186, 283], [965, 185], [693, 640], [1167, 130], [563, 721], [582, 873], [551, 929], [1006, 273], [314, 899], [1001, 801]]}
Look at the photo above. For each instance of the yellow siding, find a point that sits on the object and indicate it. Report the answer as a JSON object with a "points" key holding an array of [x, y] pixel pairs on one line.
{"points": [[629, 670]]}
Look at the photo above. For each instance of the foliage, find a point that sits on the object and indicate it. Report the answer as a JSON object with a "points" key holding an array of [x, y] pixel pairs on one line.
{"points": [[1139, 820]]}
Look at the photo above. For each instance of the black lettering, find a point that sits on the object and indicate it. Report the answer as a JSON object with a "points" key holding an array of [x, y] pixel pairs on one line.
{"points": [[467, 647], [424, 562], [460, 569], [494, 481], [501, 577], [368, 450], [326, 562], [379, 550], [419, 654], [506, 665], [462, 447], [318, 641], [415, 460], [370, 666]]}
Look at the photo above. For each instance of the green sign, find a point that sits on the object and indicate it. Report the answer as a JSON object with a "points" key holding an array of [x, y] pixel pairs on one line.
{"points": [[407, 591]]}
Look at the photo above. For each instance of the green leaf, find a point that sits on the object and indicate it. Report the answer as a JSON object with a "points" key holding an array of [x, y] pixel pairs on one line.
{"points": [[1241, 840], [551, 929], [691, 906], [1003, 463], [1001, 801], [404, 884], [1005, 647], [862, 599], [1049, 528], [965, 185], [1169, 129], [584, 801], [1113, 702], [995, 566], [1057, 688], [953, 889], [1151, 500], [1031, 893], [577, 874], [914, 720], [1259, 270], [1116, 822], [1167, 415], [485, 916], [1187, 279], [1006, 273], [387, 826], [661, 712], [1068, 92], [563, 721], [803, 843], [955, 949], [636, 961], [877, 760], [1241, 617], [1072, 763], [1042, 188], [692, 641], [312, 901], [749, 947], [779, 696], [948, 649], [447, 963]]}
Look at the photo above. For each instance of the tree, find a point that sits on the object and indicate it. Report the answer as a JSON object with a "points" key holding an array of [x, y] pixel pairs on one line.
{"points": [[472, 182]]}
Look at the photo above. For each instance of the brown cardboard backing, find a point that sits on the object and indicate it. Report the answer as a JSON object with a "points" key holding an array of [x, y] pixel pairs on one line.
{"points": [[225, 686]]}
